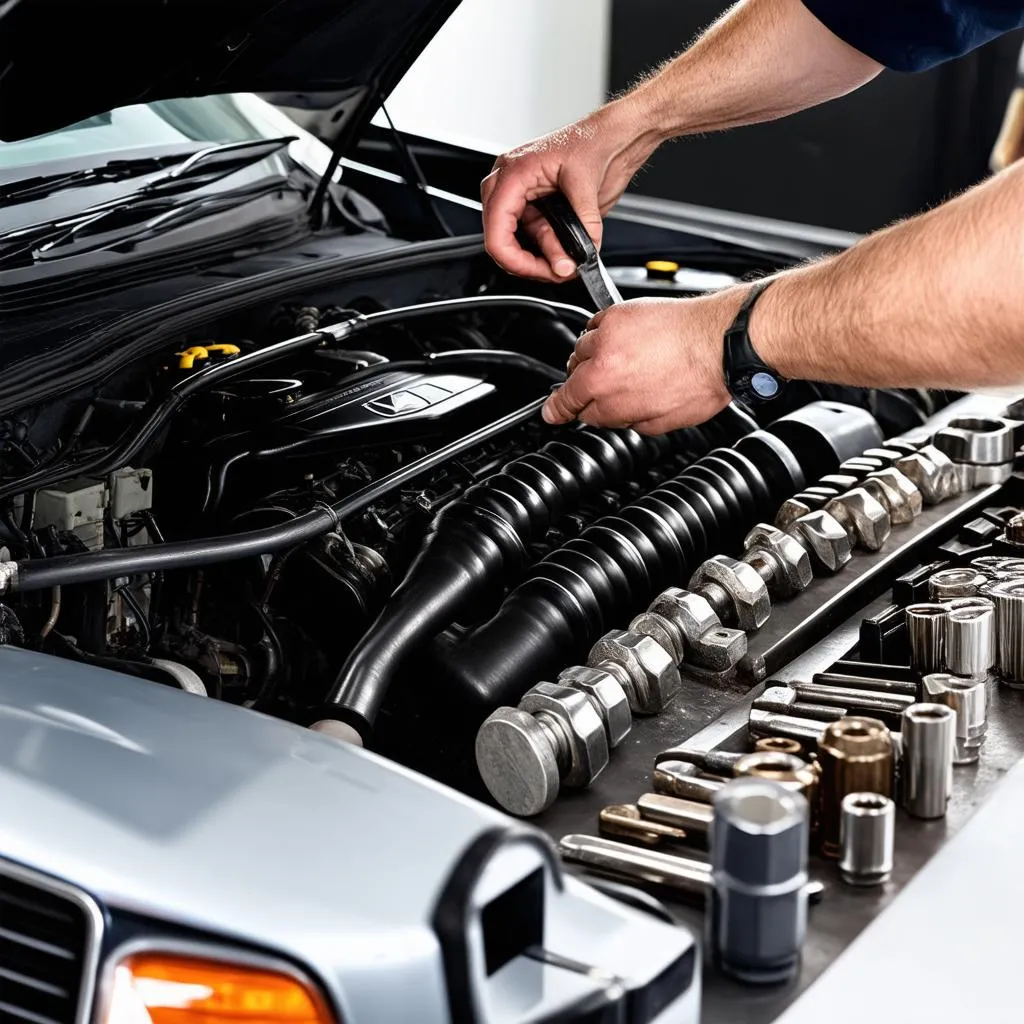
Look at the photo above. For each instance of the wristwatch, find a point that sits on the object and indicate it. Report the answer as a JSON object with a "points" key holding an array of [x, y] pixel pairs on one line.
{"points": [[747, 376]]}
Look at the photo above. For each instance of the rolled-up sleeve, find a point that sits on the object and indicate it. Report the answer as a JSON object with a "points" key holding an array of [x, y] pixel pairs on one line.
{"points": [[912, 35]]}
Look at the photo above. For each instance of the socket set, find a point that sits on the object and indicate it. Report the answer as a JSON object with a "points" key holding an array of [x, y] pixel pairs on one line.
{"points": [[817, 792]]}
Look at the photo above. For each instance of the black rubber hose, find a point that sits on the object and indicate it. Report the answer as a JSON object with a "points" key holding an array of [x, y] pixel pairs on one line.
{"points": [[474, 541], [554, 616]]}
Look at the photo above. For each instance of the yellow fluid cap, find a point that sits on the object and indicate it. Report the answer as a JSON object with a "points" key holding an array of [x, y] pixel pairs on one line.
{"points": [[661, 269]]}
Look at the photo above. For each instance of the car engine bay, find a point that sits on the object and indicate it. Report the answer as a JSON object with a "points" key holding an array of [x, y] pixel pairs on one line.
{"points": [[348, 514]]}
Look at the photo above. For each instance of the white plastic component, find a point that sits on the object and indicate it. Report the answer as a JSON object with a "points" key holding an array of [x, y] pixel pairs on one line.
{"points": [[76, 506], [131, 490]]}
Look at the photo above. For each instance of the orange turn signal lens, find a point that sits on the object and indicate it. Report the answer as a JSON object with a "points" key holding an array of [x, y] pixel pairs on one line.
{"points": [[160, 988]]}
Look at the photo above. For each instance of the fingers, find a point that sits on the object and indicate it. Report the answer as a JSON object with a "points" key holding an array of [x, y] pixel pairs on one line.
{"points": [[586, 348], [566, 404], [540, 228], [581, 191], [504, 203]]}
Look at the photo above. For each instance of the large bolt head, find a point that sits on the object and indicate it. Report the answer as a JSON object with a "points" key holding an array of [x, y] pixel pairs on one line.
{"points": [[517, 763], [790, 512], [824, 539], [664, 630], [654, 674], [747, 591], [581, 725], [950, 480], [689, 611], [899, 494], [864, 518], [925, 475], [793, 564], [609, 696]]}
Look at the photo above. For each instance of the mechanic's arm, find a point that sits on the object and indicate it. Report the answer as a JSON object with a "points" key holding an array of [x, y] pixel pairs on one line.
{"points": [[935, 301], [761, 60]]}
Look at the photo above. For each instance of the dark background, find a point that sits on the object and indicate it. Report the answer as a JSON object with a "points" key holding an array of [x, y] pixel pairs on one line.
{"points": [[897, 146]]}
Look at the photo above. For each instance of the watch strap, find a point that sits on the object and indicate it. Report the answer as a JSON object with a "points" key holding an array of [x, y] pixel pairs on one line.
{"points": [[747, 376]]}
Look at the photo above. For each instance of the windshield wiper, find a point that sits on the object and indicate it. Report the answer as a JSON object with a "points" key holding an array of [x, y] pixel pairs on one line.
{"points": [[129, 223], [188, 170]]}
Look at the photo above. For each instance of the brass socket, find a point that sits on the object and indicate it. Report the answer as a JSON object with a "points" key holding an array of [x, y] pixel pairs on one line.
{"points": [[779, 745], [855, 756], [788, 771]]}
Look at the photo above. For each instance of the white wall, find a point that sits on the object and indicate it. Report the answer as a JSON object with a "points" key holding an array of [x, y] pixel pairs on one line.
{"points": [[503, 71]]}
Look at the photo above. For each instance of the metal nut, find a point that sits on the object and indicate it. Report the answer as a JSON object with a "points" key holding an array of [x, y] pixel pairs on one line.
{"points": [[607, 696], [664, 630], [571, 712], [735, 590], [646, 670], [789, 562], [926, 476], [706, 641], [864, 518], [824, 539], [790, 512], [897, 493]]}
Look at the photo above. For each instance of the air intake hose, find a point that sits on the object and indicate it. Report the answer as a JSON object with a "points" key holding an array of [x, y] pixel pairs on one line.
{"points": [[615, 567], [481, 538]]}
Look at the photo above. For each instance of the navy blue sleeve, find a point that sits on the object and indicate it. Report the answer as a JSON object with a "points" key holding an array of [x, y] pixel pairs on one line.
{"points": [[912, 35]]}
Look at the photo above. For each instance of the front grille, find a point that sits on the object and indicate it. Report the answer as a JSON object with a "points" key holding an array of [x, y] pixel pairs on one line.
{"points": [[46, 938]]}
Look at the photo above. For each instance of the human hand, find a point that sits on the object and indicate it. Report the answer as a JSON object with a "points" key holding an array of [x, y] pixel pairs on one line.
{"points": [[651, 364], [591, 161]]}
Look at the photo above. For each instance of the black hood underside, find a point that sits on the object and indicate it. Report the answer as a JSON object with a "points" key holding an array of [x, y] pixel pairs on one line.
{"points": [[62, 61]]}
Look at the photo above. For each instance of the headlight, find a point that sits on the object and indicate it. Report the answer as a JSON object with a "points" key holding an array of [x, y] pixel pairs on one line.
{"points": [[165, 988]]}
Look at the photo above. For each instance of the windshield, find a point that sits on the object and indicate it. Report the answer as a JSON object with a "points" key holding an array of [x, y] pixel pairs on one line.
{"points": [[164, 126]]}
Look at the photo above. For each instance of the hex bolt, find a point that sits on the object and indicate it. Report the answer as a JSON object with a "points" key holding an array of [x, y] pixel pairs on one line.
{"points": [[664, 630], [865, 519], [706, 642], [607, 696], [784, 701], [824, 539], [948, 476], [714, 762], [779, 559], [645, 670], [899, 494], [790, 512], [856, 756], [525, 754], [734, 590], [925, 475], [807, 731]]}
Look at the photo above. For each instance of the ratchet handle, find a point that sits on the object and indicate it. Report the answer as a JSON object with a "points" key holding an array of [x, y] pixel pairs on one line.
{"points": [[569, 230]]}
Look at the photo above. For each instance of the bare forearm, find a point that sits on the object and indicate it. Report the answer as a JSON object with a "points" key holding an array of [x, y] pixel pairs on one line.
{"points": [[935, 301], [761, 60]]}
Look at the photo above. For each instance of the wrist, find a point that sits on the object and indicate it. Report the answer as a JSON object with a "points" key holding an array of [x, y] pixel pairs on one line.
{"points": [[772, 330]]}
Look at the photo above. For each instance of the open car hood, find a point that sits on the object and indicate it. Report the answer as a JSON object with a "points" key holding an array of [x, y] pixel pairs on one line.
{"points": [[62, 61]]}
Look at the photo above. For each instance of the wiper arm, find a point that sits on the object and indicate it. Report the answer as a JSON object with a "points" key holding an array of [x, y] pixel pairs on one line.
{"points": [[193, 170], [128, 223]]}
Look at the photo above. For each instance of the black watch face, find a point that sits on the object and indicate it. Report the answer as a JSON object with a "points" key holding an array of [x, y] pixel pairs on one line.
{"points": [[765, 385]]}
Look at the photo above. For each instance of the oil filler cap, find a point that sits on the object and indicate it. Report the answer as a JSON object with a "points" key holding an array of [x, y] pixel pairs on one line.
{"points": [[661, 270]]}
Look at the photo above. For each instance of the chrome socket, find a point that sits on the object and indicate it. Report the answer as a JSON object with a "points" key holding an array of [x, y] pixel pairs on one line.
{"points": [[1008, 597], [758, 907], [969, 699], [929, 742], [926, 630], [971, 640], [867, 837]]}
